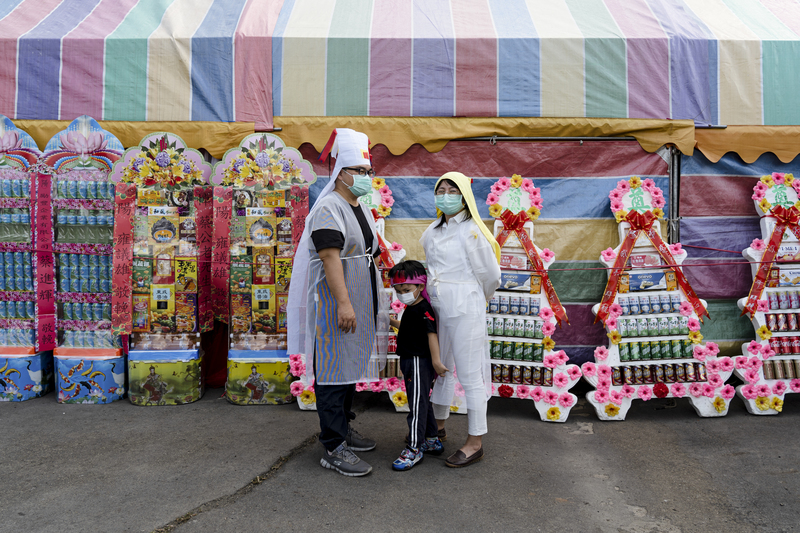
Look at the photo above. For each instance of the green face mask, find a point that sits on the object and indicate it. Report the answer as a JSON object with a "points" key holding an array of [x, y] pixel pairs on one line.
{"points": [[449, 204], [361, 185]]}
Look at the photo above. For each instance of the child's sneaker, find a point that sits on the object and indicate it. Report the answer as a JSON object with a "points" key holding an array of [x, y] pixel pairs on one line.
{"points": [[408, 458], [433, 446]]}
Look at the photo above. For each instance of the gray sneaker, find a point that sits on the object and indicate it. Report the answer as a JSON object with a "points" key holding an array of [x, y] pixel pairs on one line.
{"points": [[344, 461], [358, 442]]}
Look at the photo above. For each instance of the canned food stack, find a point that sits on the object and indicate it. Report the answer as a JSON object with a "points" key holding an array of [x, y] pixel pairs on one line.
{"points": [[17, 309]]}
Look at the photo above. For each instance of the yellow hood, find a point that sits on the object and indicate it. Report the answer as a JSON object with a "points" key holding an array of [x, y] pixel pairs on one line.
{"points": [[465, 186]]}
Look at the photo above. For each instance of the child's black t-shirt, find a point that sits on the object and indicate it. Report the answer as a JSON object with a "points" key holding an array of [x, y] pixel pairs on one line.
{"points": [[412, 338]]}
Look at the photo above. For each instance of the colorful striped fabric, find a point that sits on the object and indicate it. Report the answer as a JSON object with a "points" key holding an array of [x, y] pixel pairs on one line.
{"points": [[576, 221], [713, 61]]}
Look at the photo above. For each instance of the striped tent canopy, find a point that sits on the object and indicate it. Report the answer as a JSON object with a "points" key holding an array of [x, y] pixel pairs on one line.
{"points": [[712, 61]]}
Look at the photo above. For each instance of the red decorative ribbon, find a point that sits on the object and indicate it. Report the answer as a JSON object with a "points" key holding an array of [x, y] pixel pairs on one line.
{"points": [[220, 251], [386, 256], [787, 219], [644, 223], [515, 223], [121, 303], [205, 233], [45, 287]]}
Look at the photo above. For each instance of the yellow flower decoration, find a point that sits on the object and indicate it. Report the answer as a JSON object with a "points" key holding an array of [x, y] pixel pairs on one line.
{"points": [[533, 212], [516, 180], [763, 403], [614, 336], [548, 343], [635, 182], [719, 404], [378, 183], [384, 211], [658, 212], [495, 210], [308, 397], [777, 404], [453, 408], [695, 337], [764, 333], [399, 398], [767, 180], [620, 215], [612, 410], [765, 205], [553, 414], [788, 179]]}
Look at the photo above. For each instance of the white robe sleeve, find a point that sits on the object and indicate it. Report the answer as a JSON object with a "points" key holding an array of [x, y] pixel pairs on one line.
{"points": [[482, 260]]}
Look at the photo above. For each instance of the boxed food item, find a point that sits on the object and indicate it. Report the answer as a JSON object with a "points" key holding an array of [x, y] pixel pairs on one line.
{"points": [[514, 281], [263, 271], [514, 261], [162, 309], [789, 277], [186, 276], [260, 223], [141, 313], [186, 312], [264, 312], [142, 274], [241, 313], [283, 267], [241, 275]]}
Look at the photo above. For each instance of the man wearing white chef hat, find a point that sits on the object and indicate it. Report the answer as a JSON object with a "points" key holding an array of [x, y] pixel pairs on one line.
{"points": [[335, 314]]}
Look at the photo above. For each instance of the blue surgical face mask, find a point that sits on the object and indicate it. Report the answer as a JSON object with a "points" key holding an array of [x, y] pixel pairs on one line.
{"points": [[449, 204], [361, 185]]}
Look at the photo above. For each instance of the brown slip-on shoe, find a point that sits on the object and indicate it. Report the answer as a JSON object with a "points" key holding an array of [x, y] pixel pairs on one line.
{"points": [[459, 459]]}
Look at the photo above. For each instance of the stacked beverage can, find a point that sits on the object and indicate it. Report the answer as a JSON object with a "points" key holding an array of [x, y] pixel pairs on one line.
{"points": [[633, 304], [624, 302], [535, 306]]}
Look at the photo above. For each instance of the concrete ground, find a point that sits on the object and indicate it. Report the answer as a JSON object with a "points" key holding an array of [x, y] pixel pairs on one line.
{"points": [[215, 467]]}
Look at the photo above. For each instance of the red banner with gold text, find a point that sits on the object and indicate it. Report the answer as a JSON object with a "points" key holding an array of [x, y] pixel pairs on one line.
{"points": [[45, 273], [121, 304]]}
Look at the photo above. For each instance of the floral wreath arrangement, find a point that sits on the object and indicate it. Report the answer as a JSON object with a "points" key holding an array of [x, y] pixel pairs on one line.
{"points": [[780, 184], [514, 194], [262, 165], [757, 390], [379, 199], [638, 191], [162, 165]]}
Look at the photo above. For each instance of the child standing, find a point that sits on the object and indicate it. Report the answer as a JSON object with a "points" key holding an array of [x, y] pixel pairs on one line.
{"points": [[418, 349]]}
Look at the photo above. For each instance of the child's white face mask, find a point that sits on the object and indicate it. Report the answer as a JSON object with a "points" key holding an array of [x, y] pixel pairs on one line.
{"points": [[408, 297]]}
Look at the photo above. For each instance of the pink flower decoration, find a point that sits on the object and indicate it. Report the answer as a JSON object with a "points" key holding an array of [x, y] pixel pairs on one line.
{"points": [[546, 313], [296, 388], [755, 363], [494, 389], [574, 372], [627, 390], [760, 186], [727, 392], [550, 361], [403, 384], [537, 394], [778, 178], [361, 386], [604, 371], [616, 205], [548, 329], [616, 397], [392, 384], [686, 308], [796, 186], [678, 390], [657, 193], [537, 202], [561, 380], [527, 185], [562, 357], [387, 201], [658, 201], [757, 244], [547, 255], [495, 189], [795, 385], [713, 348], [295, 358], [694, 324], [754, 347], [504, 183], [715, 380], [700, 353], [696, 390], [535, 193], [398, 306], [623, 186], [611, 323], [396, 247], [588, 369], [713, 366], [749, 392], [708, 390], [608, 254], [742, 363], [492, 199], [644, 392], [385, 191], [751, 375], [459, 390], [311, 387], [725, 364], [601, 396], [297, 369], [615, 195], [763, 390], [523, 391], [649, 185], [615, 310], [779, 388], [550, 397], [766, 351], [603, 383], [566, 400], [676, 249], [601, 353], [763, 306], [376, 386], [757, 195]]}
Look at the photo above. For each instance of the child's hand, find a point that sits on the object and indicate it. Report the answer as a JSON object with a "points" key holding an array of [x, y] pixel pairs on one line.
{"points": [[439, 368]]}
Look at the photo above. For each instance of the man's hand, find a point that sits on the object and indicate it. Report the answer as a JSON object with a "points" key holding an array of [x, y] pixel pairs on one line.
{"points": [[347, 318]]}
